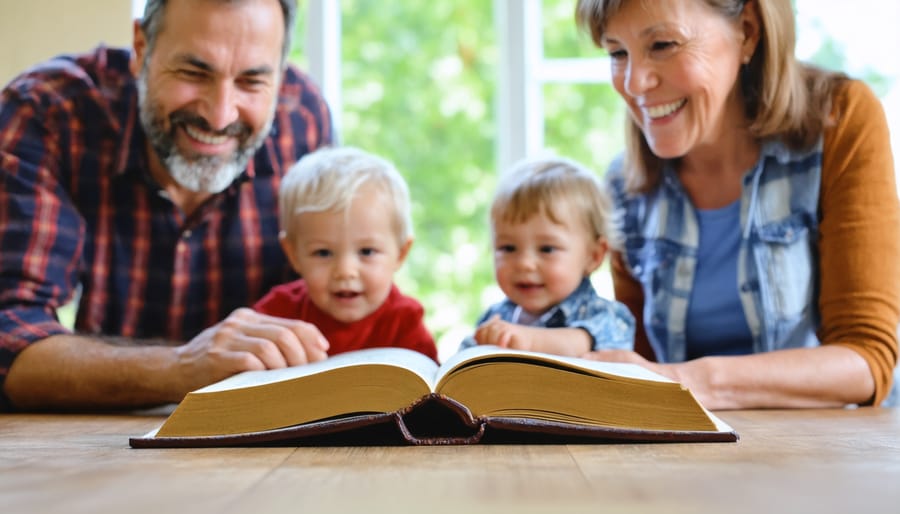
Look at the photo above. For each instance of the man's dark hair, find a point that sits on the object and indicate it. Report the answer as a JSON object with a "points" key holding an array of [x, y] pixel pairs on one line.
{"points": [[154, 12]]}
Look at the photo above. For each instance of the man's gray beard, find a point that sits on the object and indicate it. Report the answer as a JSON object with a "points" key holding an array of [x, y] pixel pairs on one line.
{"points": [[207, 173], [200, 173]]}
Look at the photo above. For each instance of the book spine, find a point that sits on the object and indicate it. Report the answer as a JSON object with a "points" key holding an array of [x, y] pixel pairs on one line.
{"points": [[438, 420]]}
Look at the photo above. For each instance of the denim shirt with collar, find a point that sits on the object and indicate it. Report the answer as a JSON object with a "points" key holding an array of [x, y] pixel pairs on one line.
{"points": [[777, 260], [609, 323]]}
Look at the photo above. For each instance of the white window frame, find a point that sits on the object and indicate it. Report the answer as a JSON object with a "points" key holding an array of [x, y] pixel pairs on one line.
{"points": [[523, 72], [323, 54]]}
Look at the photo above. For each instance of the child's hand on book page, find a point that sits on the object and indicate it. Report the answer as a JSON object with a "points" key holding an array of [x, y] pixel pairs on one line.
{"points": [[503, 334], [559, 341], [247, 340]]}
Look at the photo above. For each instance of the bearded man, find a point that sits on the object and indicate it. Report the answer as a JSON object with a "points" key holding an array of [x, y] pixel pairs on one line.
{"points": [[142, 183]]}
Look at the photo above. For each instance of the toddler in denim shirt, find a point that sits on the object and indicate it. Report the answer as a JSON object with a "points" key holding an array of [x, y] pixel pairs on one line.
{"points": [[551, 226]]}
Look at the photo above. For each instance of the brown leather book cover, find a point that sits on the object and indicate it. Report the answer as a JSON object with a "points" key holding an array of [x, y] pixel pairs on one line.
{"points": [[432, 420]]}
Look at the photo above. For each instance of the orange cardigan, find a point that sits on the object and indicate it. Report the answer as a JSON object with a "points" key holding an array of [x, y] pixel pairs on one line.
{"points": [[859, 239]]}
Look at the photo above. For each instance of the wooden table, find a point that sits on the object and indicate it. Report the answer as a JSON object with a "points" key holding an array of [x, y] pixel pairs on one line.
{"points": [[842, 461]]}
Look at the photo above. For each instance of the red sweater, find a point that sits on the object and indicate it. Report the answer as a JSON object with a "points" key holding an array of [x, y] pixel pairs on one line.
{"points": [[398, 322]]}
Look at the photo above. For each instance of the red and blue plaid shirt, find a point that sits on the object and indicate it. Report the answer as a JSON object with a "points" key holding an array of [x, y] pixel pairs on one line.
{"points": [[78, 208]]}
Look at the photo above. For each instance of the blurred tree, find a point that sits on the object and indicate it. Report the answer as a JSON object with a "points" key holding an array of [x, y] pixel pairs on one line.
{"points": [[582, 121]]}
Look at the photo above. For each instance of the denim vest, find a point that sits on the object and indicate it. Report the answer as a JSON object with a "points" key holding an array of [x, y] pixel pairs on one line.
{"points": [[777, 273]]}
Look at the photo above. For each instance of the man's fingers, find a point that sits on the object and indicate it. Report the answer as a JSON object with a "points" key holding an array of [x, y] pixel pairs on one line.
{"points": [[307, 333], [238, 361], [314, 344], [299, 342], [263, 349], [282, 339]]}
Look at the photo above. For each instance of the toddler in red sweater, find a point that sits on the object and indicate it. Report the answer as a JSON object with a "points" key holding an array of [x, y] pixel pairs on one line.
{"points": [[346, 229]]}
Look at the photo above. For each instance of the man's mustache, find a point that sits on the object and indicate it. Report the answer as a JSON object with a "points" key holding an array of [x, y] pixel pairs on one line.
{"points": [[235, 129]]}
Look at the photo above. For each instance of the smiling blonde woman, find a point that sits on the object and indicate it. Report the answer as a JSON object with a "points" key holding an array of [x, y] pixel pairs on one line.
{"points": [[758, 207]]}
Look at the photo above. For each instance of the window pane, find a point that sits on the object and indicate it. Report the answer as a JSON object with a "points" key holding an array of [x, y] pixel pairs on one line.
{"points": [[562, 40], [418, 86], [584, 122], [862, 42]]}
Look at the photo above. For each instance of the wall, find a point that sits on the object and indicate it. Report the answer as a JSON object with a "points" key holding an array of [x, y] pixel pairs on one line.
{"points": [[33, 30]]}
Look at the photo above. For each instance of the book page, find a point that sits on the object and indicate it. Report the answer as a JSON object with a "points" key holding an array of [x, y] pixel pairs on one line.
{"points": [[721, 425], [486, 353], [400, 357]]}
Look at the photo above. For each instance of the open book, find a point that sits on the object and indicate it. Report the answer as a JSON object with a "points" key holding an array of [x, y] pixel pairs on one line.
{"points": [[398, 396]]}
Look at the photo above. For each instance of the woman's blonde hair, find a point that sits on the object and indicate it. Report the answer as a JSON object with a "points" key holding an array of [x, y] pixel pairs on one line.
{"points": [[783, 98], [550, 186], [326, 181]]}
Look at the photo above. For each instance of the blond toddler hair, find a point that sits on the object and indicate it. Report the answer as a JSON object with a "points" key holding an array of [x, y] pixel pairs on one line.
{"points": [[550, 184], [327, 179]]}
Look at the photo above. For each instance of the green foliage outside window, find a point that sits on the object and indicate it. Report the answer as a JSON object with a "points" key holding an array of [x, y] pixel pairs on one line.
{"points": [[418, 89], [582, 121]]}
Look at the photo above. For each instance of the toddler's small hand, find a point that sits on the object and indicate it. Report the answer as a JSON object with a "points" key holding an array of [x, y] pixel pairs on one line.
{"points": [[502, 333]]}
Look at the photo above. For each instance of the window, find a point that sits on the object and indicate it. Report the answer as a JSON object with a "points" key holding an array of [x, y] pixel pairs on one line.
{"points": [[862, 41]]}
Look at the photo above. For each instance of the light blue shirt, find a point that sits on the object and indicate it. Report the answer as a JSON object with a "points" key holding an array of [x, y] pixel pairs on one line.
{"points": [[715, 320]]}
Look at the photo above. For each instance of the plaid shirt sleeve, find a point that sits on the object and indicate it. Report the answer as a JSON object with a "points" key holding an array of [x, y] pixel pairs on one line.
{"points": [[40, 231]]}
